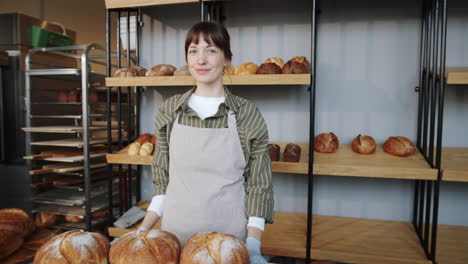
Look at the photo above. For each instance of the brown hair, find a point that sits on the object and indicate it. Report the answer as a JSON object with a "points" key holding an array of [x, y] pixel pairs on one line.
{"points": [[213, 33]]}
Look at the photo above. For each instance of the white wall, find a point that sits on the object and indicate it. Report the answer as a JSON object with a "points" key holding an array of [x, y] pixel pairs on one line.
{"points": [[368, 60]]}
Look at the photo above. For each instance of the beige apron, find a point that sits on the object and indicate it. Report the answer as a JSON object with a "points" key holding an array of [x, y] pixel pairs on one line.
{"points": [[206, 184]]}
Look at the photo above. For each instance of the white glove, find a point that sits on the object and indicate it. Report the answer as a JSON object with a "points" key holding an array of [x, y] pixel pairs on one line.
{"points": [[253, 246]]}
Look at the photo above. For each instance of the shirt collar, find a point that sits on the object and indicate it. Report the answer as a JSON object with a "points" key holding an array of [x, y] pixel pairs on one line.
{"points": [[231, 101]]}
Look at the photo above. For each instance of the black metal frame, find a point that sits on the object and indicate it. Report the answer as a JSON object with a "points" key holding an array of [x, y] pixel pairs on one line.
{"points": [[125, 179], [430, 120]]}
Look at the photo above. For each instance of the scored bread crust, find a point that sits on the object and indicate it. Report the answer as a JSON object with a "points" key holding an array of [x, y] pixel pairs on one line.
{"points": [[276, 61], [74, 247], [214, 248], [152, 246], [161, 70], [363, 144], [399, 146], [326, 143], [269, 68]]}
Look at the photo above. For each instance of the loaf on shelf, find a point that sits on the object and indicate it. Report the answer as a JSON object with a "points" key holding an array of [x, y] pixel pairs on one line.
{"points": [[274, 151], [130, 72], [246, 69], [296, 65], [275, 60], [214, 246], [182, 71], [269, 68], [399, 146], [292, 153], [326, 143], [228, 70], [161, 70], [15, 226], [363, 144], [43, 219]]}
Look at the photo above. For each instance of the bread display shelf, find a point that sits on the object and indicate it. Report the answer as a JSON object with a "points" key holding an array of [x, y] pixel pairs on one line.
{"points": [[140, 3], [258, 79], [71, 159], [343, 239], [123, 158], [82, 225], [68, 74], [343, 163], [456, 75], [96, 205], [455, 164]]}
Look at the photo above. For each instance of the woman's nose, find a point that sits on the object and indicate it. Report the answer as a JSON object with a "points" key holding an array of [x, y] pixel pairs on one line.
{"points": [[201, 59]]}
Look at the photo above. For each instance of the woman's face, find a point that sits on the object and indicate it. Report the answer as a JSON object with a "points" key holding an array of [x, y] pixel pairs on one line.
{"points": [[206, 62]]}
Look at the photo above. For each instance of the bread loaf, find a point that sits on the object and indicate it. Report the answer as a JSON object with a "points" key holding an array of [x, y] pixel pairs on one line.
{"points": [[302, 60], [246, 68], [182, 71], [146, 149], [399, 146], [153, 246], [211, 248], [144, 138], [153, 140], [274, 151], [161, 70], [293, 67], [130, 72], [364, 144], [269, 68], [292, 153], [276, 61], [74, 247], [43, 219], [229, 70], [74, 218], [15, 225], [326, 143], [134, 149]]}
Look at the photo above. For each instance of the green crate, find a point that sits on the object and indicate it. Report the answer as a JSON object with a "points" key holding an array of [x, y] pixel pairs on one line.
{"points": [[40, 37]]}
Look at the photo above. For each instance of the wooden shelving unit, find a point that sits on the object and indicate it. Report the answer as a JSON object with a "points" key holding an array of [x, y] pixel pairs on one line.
{"points": [[452, 244], [140, 3], [344, 239], [456, 75], [343, 163], [260, 79], [455, 164]]}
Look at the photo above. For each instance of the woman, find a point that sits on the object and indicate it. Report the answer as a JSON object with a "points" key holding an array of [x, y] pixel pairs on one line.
{"points": [[211, 165]]}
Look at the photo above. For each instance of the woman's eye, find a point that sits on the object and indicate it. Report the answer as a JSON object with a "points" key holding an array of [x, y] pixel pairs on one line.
{"points": [[192, 51], [212, 51]]}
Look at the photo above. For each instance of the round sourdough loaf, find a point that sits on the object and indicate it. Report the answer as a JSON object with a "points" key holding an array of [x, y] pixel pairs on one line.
{"points": [[276, 61], [269, 68], [161, 70], [399, 146], [364, 144], [74, 247], [326, 143], [15, 225], [43, 219], [214, 248], [147, 247], [246, 69]]}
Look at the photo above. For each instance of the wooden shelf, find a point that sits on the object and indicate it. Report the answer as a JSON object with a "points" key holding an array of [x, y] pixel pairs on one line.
{"points": [[260, 79], [70, 142], [61, 129], [452, 244], [456, 75], [140, 3], [455, 164], [123, 158], [343, 239], [343, 163]]}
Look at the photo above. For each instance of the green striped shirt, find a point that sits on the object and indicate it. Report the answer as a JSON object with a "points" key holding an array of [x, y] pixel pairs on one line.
{"points": [[253, 136]]}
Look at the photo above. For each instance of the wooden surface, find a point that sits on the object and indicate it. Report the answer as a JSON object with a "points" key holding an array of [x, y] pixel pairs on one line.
{"points": [[72, 159], [60, 129], [455, 164], [452, 244], [260, 79], [378, 165], [63, 168], [123, 158], [456, 75], [140, 3], [343, 163], [70, 142], [342, 239]]}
